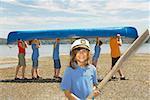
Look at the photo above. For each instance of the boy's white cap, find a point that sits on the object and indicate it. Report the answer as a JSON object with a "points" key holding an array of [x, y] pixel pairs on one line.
{"points": [[80, 43]]}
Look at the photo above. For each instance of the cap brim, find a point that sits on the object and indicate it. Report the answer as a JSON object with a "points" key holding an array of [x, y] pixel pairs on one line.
{"points": [[81, 46]]}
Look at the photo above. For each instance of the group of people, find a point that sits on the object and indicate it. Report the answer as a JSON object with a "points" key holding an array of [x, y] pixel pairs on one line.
{"points": [[21, 58], [35, 44], [80, 77]]}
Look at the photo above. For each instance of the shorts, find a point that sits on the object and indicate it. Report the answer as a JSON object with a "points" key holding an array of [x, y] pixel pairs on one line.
{"points": [[114, 60], [57, 64], [21, 59], [35, 63]]}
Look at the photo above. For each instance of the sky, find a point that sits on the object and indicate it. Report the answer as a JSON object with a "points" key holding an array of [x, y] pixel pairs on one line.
{"points": [[72, 14]]}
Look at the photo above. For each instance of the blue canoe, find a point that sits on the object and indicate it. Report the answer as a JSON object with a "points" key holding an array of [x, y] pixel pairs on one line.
{"points": [[71, 33]]}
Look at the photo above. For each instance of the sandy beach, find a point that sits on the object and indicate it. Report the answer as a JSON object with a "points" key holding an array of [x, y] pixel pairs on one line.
{"points": [[136, 69]]}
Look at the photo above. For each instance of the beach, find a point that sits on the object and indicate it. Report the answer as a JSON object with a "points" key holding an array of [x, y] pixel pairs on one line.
{"points": [[136, 69]]}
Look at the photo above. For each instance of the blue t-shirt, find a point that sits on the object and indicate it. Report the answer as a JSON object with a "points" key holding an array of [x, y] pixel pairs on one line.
{"points": [[56, 51], [35, 53], [79, 81], [97, 50]]}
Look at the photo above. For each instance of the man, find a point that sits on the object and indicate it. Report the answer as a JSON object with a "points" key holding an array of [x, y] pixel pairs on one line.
{"points": [[21, 59], [115, 43]]}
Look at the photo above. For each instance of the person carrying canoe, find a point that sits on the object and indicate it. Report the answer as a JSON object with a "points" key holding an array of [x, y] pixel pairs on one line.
{"points": [[21, 59], [56, 59], [115, 43], [35, 56]]}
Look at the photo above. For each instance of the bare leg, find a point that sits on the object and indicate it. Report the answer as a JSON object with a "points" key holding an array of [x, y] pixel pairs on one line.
{"points": [[120, 73], [23, 71], [17, 69], [114, 76], [57, 72], [32, 72], [37, 72]]}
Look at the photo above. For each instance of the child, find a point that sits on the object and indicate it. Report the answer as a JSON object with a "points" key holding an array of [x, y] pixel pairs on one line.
{"points": [[21, 59], [115, 43], [35, 55], [79, 78], [97, 51], [57, 64]]}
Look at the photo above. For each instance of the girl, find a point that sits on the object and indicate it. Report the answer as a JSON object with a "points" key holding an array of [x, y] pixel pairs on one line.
{"points": [[79, 79], [21, 58], [35, 55]]}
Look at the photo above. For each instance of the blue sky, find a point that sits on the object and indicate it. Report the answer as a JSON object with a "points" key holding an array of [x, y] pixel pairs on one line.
{"points": [[66, 14]]}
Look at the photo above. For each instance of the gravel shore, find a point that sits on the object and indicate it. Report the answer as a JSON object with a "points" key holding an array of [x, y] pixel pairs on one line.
{"points": [[136, 69]]}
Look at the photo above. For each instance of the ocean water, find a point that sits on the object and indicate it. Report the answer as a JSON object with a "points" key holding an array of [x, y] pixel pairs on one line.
{"points": [[47, 50]]}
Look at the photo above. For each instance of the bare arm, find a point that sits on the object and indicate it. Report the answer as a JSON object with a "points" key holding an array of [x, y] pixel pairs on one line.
{"points": [[25, 44], [119, 41], [22, 44], [70, 95], [38, 44]]}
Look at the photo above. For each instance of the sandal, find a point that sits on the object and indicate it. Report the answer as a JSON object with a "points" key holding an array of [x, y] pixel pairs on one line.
{"points": [[57, 78], [24, 78], [123, 78], [16, 78], [38, 77], [113, 77], [99, 79], [60, 78], [33, 78]]}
